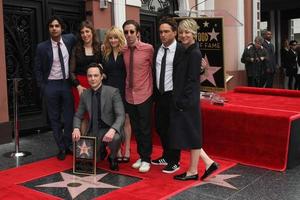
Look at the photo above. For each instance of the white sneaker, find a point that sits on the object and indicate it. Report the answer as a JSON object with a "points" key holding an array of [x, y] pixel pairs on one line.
{"points": [[145, 167], [137, 164]]}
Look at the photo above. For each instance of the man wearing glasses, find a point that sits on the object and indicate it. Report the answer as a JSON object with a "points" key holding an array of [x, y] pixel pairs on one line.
{"points": [[138, 91]]}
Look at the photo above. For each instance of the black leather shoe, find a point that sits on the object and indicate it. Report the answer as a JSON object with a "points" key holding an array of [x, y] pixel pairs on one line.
{"points": [[103, 153], [213, 167], [61, 155], [184, 177], [69, 151], [113, 164]]}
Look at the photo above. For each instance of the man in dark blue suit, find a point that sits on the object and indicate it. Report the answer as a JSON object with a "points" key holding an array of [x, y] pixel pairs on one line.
{"points": [[52, 75]]}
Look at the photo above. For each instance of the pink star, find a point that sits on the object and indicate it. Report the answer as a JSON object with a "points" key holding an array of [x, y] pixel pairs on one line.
{"points": [[220, 180], [208, 71], [84, 149], [213, 35], [76, 185]]}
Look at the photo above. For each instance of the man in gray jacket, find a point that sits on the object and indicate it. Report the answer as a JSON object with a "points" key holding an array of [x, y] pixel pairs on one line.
{"points": [[106, 113]]}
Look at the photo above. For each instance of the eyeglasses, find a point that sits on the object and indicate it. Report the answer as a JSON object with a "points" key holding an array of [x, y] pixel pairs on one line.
{"points": [[130, 31]]}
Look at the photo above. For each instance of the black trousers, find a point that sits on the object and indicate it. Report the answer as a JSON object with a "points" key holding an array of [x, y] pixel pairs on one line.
{"points": [[59, 101], [140, 120], [114, 145], [292, 81], [162, 121], [268, 78]]}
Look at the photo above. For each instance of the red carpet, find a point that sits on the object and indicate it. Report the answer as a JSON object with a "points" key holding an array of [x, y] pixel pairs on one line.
{"points": [[253, 128], [154, 184]]}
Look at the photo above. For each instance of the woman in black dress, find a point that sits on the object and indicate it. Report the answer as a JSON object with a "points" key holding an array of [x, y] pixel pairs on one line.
{"points": [[86, 51], [185, 127], [114, 70]]}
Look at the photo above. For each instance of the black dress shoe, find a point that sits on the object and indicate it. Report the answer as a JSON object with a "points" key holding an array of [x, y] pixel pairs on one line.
{"points": [[61, 155], [113, 164], [69, 151], [213, 167], [184, 177]]}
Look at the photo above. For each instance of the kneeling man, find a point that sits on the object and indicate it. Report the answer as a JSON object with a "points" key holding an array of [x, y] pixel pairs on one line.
{"points": [[106, 112]]}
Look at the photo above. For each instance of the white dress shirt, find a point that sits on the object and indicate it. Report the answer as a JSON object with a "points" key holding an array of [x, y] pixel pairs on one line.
{"points": [[169, 65], [56, 72]]}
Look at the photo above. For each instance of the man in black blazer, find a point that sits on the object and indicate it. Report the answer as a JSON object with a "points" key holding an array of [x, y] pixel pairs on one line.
{"points": [[52, 76], [292, 66], [271, 62], [166, 58]]}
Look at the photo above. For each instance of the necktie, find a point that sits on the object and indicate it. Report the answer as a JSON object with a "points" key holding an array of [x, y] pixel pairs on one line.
{"points": [[61, 60], [95, 125], [131, 67], [162, 72]]}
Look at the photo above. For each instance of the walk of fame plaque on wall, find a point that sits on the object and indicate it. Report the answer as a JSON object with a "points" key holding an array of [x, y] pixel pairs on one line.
{"points": [[84, 158]]}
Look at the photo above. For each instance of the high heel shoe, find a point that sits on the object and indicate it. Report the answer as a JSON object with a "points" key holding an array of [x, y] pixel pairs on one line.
{"points": [[126, 159], [119, 159]]}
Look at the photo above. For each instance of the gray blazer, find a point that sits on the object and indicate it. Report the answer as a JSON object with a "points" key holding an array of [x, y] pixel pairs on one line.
{"points": [[112, 108]]}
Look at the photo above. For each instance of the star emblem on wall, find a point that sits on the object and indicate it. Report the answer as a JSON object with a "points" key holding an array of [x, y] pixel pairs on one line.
{"points": [[213, 35], [84, 149], [76, 185], [205, 24], [220, 180], [209, 72]]}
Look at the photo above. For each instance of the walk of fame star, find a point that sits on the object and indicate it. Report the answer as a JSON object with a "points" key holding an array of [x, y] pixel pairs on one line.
{"points": [[213, 35], [84, 149], [220, 180], [76, 185], [209, 72]]}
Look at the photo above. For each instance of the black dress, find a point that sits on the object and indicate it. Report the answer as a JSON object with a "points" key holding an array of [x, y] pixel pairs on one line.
{"points": [[115, 73], [185, 124]]}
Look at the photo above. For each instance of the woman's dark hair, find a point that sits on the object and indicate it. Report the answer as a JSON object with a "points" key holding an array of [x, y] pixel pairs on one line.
{"points": [[79, 47]]}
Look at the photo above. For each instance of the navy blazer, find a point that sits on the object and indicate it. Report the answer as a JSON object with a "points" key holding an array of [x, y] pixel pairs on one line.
{"points": [[44, 58]]}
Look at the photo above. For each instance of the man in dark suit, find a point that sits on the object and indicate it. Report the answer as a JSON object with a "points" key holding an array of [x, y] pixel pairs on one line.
{"points": [[106, 112], [271, 62], [254, 57], [52, 76], [166, 58], [292, 66]]}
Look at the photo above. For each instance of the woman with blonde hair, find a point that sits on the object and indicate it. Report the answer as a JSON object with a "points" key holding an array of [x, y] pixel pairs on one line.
{"points": [[185, 127], [86, 51], [114, 69]]}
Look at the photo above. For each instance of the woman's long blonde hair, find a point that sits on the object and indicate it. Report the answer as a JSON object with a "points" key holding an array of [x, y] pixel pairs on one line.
{"points": [[113, 31]]}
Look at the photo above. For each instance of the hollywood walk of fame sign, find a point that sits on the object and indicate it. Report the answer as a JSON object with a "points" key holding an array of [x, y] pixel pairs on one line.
{"points": [[84, 159], [210, 38]]}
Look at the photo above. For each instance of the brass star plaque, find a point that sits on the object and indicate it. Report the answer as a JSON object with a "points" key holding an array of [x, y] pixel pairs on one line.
{"points": [[84, 158]]}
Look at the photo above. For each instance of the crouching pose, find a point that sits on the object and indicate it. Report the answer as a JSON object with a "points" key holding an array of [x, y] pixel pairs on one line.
{"points": [[106, 112]]}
